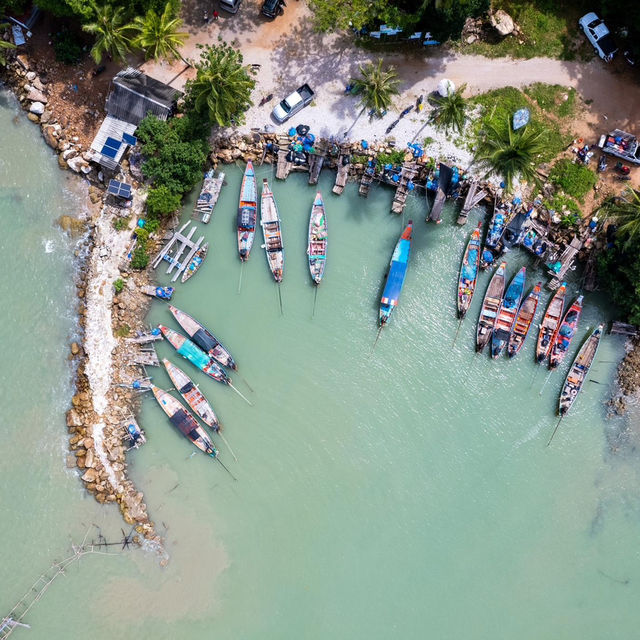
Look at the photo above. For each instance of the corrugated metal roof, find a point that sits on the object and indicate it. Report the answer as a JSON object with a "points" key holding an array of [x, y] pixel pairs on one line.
{"points": [[110, 128]]}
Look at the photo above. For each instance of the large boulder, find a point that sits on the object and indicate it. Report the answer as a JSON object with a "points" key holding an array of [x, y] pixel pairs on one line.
{"points": [[77, 163], [502, 22], [35, 95], [37, 108]]}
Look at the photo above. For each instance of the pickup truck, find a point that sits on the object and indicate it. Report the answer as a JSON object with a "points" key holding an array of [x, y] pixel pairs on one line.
{"points": [[293, 103], [621, 144]]}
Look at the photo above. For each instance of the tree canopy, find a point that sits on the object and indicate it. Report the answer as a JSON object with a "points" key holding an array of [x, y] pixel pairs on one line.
{"points": [[159, 36]]}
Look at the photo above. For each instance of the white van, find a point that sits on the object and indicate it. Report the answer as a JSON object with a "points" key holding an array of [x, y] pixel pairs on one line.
{"points": [[231, 6]]}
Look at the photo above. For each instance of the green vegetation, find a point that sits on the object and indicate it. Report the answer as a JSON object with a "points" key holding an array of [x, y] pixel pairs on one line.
{"points": [[123, 331], [575, 180], [111, 32], [553, 98], [221, 90], [162, 202], [427, 141], [118, 285], [140, 258], [395, 157], [625, 210], [159, 36], [566, 207], [67, 48], [120, 224], [375, 86], [451, 110], [4, 45]]}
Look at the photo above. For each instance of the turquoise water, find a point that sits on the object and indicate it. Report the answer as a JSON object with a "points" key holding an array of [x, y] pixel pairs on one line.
{"points": [[406, 491]]}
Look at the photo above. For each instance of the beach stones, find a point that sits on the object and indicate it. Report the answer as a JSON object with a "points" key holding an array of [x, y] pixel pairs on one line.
{"points": [[37, 108]]}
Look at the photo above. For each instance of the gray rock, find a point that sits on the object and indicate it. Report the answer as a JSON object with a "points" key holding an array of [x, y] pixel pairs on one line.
{"points": [[33, 117], [502, 22], [31, 75], [36, 96], [76, 164], [46, 116], [37, 108], [38, 84], [69, 153]]}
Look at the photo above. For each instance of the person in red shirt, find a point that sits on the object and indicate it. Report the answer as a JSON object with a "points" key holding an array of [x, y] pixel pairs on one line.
{"points": [[215, 15]]}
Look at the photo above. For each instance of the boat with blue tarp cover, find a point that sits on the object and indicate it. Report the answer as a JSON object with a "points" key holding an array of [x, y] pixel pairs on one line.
{"points": [[469, 272], [515, 230], [247, 212], [196, 356], [162, 293], [204, 338], [396, 275], [564, 336], [196, 262], [507, 313], [499, 220], [490, 307]]}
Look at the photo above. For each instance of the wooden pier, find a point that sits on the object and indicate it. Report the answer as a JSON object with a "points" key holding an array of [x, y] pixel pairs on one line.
{"points": [[343, 169], [316, 161], [208, 197], [566, 259], [365, 182], [407, 173], [283, 167], [623, 329], [472, 199], [179, 243], [144, 357]]}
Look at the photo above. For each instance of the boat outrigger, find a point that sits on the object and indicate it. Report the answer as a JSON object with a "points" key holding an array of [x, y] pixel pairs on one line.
{"points": [[506, 317], [524, 320], [196, 262], [564, 335], [247, 213], [270, 222], [396, 275], [317, 240], [550, 323], [579, 370], [490, 307], [469, 272]]}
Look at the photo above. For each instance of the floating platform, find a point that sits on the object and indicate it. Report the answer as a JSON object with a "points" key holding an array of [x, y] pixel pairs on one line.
{"points": [[175, 247]]}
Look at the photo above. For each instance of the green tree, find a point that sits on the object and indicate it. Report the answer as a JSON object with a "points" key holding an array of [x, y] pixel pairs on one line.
{"points": [[162, 202], [625, 210], [222, 86], [4, 45], [159, 36], [511, 154], [451, 110], [111, 32]]}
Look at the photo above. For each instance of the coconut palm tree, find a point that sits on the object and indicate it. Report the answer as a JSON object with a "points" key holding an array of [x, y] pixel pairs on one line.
{"points": [[511, 154], [375, 87], [112, 34], [159, 35], [4, 45], [222, 86], [625, 209], [450, 111]]}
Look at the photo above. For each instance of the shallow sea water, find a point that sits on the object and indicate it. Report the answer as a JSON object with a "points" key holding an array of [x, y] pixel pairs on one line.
{"points": [[404, 492]]}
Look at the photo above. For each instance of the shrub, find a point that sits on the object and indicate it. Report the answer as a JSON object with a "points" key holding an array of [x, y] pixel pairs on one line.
{"points": [[162, 202], [123, 331], [395, 157], [120, 224], [118, 285], [140, 258], [66, 47], [575, 180]]}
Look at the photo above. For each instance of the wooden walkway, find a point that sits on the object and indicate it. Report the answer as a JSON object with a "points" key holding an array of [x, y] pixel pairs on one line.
{"points": [[623, 329], [343, 170], [473, 198], [283, 168], [179, 243], [365, 182], [566, 259], [316, 161], [407, 173]]}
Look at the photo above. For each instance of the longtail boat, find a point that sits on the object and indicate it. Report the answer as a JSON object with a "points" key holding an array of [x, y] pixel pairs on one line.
{"points": [[204, 338], [499, 219], [247, 212], [317, 244], [396, 275], [184, 422], [162, 293], [196, 356], [579, 370], [490, 307], [192, 395], [469, 272], [523, 322], [196, 262], [507, 313], [209, 194], [565, 333], [270, 222], [550, 323]]}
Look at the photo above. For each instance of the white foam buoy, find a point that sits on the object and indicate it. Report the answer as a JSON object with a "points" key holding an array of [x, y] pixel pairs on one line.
{"points": [[446, 87]]}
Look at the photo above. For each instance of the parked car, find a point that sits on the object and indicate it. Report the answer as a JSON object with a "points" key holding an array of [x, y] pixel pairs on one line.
{"points": [[231, 6], [273, 8], [293, 103], [621, 144], [598, 35]]}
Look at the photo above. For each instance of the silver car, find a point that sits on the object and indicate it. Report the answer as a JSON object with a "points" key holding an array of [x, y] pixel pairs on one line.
{"points": [[599, 36]]}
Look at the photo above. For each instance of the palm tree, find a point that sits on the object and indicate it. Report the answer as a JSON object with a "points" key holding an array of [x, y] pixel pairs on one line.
{"points": [[222, 86], [625, 209], [110, 31], [159, 36], [511, 154], [451, 110], [376, 87], [4, 45]]}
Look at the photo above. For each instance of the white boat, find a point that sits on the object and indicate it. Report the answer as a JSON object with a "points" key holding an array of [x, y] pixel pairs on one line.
{"points": [[270, 223]]}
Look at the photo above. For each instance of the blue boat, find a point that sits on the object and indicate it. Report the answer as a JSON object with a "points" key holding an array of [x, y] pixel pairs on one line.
{"points": [[396, 275], [507, 314]]}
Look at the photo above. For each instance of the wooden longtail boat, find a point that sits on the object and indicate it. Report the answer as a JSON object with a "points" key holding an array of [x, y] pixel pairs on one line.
{"points": [[270, 222], [507, 314], [490, 307], [499, 220], [317, 244], [196, 356], [579, 370], [469, 272], [247, 212], [184, 422], [396, 275], [196, 262], [209, 194], [550, 324], [163, 293], [523, 322], [204, 338], [192, 395], [565, 333]]}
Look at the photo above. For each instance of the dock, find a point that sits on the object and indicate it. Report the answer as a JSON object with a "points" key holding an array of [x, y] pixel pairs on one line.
{"points": [[472, 199], [179, 243], [623, 329], [435, 214], [566, 260], [316, 161], [407, 173], [365, 182], [344, 165], [144, 357], [208, 197], [283, 167]]}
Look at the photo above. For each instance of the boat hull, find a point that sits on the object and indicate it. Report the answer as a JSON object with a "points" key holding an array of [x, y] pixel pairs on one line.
{"points": [[565, 333], [490, 308], [396, 276], [247, 213], [524, 320], [507, 314], [317, 240], [195, 262], [550, 324], [468, 277]]}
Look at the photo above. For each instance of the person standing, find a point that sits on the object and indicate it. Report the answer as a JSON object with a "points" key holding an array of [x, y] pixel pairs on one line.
{"points": [[216, 15]]}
